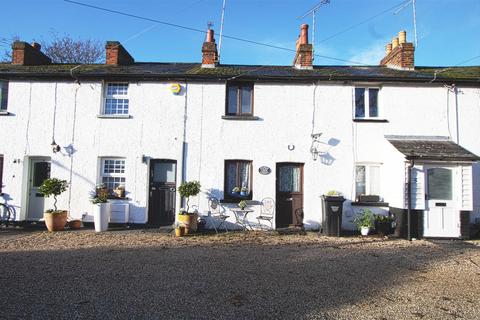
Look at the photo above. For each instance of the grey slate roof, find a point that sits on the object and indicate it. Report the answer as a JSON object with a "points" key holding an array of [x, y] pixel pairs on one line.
{"points": [[431, 148], [179, 71]]}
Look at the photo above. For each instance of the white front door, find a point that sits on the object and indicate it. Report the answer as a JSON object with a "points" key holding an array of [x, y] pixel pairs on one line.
{"points": [[441, 217], [39, 171]]}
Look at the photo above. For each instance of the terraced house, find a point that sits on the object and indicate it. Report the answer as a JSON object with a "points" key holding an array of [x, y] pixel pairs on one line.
{"points": [[290, 133]]}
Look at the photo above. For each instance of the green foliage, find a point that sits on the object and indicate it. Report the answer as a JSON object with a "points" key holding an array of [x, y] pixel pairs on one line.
{"points": [[100, 198], [242, 204], [332, 193], [53, 187], [189, 189], [365, 219], [381, 218]]}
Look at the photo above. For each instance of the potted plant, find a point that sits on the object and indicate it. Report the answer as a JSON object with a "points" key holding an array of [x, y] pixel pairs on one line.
{"points": [[383, 224], [187, 190], [244, 191], [236, 191], [364, 221], [55, 219], [119, 191], [101, 210], [242, 204], [179, 229]]}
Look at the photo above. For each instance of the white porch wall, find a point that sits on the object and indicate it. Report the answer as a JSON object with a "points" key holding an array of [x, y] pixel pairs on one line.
{"points": [[155, 130]]}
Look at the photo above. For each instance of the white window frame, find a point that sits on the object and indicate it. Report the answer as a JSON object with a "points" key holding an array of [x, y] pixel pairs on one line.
{"points": [[115, 97], [368, 188], [104, 174], [366, 102]]}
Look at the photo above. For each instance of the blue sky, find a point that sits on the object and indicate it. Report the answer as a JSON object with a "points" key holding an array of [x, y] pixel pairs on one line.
{"points": [[448, 30]]}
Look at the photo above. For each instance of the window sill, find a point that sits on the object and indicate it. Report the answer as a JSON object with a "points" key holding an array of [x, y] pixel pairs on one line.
{"points": [[369, 120], [114, 116], [235, 199], [4, 113], [369, 204], [248, 118]]}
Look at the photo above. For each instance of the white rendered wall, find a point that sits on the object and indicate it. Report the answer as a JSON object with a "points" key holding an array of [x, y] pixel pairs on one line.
{"points": [[155, 130]]}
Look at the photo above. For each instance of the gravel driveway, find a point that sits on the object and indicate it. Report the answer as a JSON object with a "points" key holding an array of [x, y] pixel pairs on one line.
{"points": [[145, 274]]}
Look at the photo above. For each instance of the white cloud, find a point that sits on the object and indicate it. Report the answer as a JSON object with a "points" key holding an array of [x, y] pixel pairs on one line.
{"points": [[370, 55]]}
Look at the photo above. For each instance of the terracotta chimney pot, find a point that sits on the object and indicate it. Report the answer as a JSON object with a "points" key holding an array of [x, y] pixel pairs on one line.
{"points": [[402, 37]]}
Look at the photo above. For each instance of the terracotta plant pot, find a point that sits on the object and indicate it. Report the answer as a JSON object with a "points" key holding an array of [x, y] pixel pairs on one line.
{"points": [[180, 231], [75, 224], [55, 221]]}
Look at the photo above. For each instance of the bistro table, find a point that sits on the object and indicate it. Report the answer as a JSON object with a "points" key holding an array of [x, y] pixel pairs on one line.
{"points": [[241, 218]]}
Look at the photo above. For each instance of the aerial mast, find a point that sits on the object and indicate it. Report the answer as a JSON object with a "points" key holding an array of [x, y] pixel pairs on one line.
{"points": [[313, 11]]}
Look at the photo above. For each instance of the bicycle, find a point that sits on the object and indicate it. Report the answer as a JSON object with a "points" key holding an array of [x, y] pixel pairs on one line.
{"points": [[6, 214]]}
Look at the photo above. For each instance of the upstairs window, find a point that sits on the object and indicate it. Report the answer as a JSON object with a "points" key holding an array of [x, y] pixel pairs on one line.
{"points": [[116, 99], [238, 179], [240, 99], [112, 173], [366, 103], [3, 95], [367, 179]]}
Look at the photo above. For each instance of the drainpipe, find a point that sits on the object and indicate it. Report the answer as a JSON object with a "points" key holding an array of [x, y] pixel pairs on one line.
{"points": [[184, 143], [409, 199]]}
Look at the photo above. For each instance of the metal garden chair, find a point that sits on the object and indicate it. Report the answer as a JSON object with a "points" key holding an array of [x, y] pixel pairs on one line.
{"points": [[216, 212], [267, 211]]}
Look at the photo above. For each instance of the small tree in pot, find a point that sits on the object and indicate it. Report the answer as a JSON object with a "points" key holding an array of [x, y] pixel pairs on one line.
{"points": [[187, 190], [54, 219]]}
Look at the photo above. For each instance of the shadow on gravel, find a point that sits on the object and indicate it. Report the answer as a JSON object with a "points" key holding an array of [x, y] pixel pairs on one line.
{"points": [[208, 282]]}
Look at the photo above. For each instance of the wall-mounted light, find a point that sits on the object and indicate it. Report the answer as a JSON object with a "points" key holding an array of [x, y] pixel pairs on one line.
{"points": [[145, 159], [55, 146]]}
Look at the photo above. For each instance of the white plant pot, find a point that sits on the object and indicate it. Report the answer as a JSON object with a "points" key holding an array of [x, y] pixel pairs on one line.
{"points": [[364, 231], [101, 216]]}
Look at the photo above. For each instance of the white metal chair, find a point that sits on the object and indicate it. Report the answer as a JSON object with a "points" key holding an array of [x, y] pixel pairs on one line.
{"points": [[215, 211], [267, 212]]}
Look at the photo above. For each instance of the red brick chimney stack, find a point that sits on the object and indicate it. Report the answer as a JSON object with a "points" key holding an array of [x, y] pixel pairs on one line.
{"points": [[399, 54], [28, 55], [209, 51], [304, 55], [117, 55]]}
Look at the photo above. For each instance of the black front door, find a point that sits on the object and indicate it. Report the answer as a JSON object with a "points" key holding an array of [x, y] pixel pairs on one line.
{"points": [[162, 188], [289, 195]]}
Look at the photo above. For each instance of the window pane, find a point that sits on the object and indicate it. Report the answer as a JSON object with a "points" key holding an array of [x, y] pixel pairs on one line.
{"points": [[374, 180], [116, 106], [289, 179], [117, 89], [232, 99], [244, 172], [373, 102], [247, 100], [3, 95], [164, 172], [41, 172], [440, 184], [114, 166], [360, 180], [231, 176], [359, 102], [113, 182]]}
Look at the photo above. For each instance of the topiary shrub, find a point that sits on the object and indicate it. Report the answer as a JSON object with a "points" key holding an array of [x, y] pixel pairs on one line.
{"points": [[189, 189], [53, 187]]}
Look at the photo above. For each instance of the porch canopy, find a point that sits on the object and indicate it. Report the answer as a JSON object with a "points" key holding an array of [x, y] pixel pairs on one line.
{"points": [[433, 148]]}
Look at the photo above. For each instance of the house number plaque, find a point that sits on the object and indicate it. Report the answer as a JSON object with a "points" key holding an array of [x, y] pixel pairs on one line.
{"points": [[264, 170]]}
